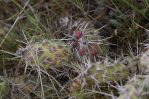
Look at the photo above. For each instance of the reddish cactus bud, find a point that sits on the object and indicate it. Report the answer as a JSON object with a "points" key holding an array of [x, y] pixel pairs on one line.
{"points": [[78, 34], [81, 51], [74, 44], [94, 52]]}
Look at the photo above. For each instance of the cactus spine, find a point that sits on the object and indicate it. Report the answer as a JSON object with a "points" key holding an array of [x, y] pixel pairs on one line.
{"points": [[136, 88]]}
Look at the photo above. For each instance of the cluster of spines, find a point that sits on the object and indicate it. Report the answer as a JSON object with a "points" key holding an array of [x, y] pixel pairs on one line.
{"points": [[103, 74]]}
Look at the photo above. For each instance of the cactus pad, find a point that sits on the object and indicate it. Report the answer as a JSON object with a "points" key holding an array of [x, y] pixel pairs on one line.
{"points": [[47, 54]]}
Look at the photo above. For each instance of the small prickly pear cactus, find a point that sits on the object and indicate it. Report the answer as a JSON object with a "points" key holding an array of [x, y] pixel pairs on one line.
{"points": [[136, 88], [46, 54], [100, 73], [85, 40], [103, 73]]}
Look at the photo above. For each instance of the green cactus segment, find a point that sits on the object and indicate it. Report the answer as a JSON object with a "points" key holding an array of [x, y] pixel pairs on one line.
{"points": [[136, 88], [3, 89], [101, 73], [47, 54]]}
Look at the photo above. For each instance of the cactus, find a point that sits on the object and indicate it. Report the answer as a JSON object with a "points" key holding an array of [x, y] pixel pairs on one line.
{"points": [[101, 73], [136, 88], [113, 72], [85, 39], [47, 54]]}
